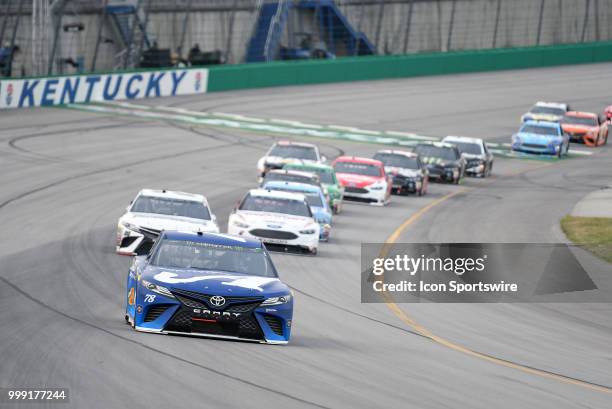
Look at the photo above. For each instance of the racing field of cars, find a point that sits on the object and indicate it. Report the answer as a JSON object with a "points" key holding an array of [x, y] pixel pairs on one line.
{"points": [[87, 196]]}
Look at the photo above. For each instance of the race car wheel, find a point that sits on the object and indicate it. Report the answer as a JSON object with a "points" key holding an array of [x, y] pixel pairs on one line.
{"points": [[313, 252]]}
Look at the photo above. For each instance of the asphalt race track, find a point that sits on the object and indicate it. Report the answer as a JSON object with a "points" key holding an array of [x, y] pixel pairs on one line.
{"points": [[66, 177]]}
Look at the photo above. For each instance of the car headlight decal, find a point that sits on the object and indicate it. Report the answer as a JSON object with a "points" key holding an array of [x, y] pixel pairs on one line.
{"points": [[157, 289], [284, 299]]}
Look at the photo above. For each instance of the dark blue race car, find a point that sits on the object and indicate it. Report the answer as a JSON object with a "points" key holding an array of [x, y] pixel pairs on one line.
{"points": [[210, 285]]}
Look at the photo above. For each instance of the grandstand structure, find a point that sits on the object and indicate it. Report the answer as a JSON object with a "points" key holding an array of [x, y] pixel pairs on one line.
{"points": [[49, 37]]}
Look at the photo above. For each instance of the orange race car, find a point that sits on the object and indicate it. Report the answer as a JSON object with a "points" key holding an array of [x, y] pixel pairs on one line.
{"points": [[608, 115], [585, 127]]}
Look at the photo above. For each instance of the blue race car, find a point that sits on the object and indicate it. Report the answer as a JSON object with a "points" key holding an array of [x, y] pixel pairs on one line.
{"points": [[541, 137], [210, 285], [316, 199]]}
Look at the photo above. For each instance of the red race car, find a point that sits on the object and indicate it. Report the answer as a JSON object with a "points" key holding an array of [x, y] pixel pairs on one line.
{"points": [[585, 127], [364, 179]]}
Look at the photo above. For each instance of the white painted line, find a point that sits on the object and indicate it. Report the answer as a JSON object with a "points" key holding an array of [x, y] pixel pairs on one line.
{"points": [[341, 127], [181, 110], [311, 126], [580, 152], [367, 132], [284, 122], [238, 117], [127, 105], [412, 135]]}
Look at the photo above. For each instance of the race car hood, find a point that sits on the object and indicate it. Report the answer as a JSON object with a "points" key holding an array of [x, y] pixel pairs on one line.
{"points": [[541, 117], [353, 180], [166, 222], [214, 282], [571, 128], [273, 220], [432, 161], [538, 139], [321, 215], [472, 156], [392, 170], [277, 160]]}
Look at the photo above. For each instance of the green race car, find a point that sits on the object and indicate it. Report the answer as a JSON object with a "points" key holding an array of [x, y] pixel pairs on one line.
{"points": [[333, 190]]}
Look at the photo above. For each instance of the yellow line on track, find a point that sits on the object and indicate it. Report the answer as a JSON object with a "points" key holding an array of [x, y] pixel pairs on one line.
{"points": [[452, 345]]}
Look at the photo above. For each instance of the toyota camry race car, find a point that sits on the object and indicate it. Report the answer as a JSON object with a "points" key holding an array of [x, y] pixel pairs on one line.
{"points": [[408, 173], [284, 152], [444, 161], [585, 127], [316, 200], [541, 137], [209, 285], [478, 159], [155, 210], [279, 219], [327, 175], [546, 111], [364, 179]]}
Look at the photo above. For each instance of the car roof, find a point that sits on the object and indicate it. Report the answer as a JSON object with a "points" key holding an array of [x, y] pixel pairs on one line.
{"points": [[454, 138], [398, 152], [171, 194], [296, 186], [297, 165], [580, 114], [293, 172], [213, 238], [357, 159], [438, 144], [276, 194], [551, 104], [546, 124], [293, 143]]}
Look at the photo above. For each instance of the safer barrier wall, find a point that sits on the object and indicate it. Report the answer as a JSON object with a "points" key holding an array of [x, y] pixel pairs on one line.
{"points": [[399, 66], [24, 92]]}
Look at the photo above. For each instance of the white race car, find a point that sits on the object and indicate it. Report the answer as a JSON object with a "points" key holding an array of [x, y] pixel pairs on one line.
{"points": [[546, 111], [155, 210], [279, 219], [284, 152], [478, 158]]}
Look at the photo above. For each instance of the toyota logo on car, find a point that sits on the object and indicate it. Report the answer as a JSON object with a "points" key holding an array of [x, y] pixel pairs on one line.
{"points": [[217, 300]]}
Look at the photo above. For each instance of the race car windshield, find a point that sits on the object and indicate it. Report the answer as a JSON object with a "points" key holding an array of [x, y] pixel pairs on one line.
{"points": [[205, 256], [288, 177], [275, 205], [575, 120], [432, 151], [357, 168], [538, 130], [468, 147], [547, 110], [324, 177], [294, 151], [314, 200], [397, 161], [171, 207]]}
